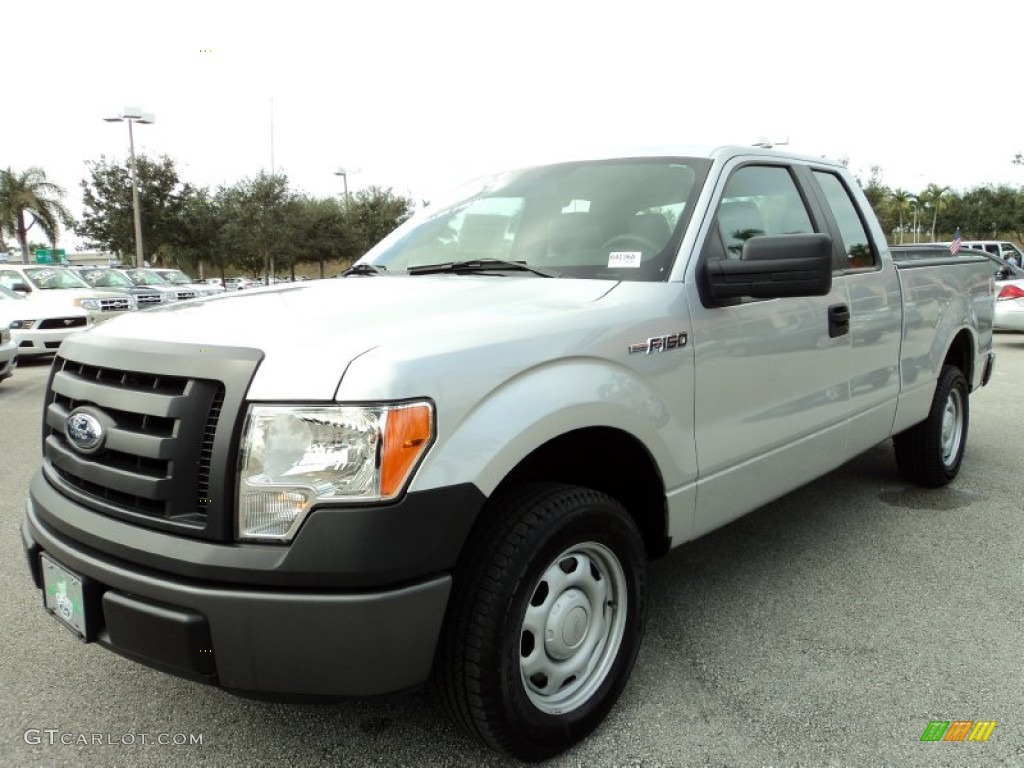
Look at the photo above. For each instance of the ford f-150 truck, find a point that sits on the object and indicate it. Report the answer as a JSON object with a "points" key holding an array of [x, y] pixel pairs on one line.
{"points": [[453, 465]]}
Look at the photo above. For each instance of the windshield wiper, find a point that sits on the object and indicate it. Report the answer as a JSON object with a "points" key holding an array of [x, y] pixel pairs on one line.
{"points": [[364, 269], [480, 265]]}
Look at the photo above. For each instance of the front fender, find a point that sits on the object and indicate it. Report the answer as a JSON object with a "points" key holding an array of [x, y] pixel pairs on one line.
{"points": [[544, 402]]}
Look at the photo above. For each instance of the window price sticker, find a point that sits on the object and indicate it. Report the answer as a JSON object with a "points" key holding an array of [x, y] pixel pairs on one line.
{"points": [[624, 259]]}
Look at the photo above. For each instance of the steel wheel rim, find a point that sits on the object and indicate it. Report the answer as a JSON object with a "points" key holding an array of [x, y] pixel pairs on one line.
{"points": [[952, 427], [572, 628]]}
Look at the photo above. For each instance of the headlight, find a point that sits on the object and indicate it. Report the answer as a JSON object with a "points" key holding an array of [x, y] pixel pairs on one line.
{"points": [[5, 335], [93, 304], [295, 456], [22, 325]]}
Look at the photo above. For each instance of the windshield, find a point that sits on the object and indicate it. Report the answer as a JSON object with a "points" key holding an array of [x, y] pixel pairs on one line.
{"points": [[609, 219], [106, 278], [7, 293], [145, 277], [46, 278], [175, 277]]}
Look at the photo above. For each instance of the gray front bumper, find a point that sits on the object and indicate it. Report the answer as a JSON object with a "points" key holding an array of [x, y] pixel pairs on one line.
{"points": [[281, 640]]}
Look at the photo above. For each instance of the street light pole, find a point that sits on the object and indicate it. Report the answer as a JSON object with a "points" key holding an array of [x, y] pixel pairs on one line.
{"points": [[344, 180], [134, 115]]}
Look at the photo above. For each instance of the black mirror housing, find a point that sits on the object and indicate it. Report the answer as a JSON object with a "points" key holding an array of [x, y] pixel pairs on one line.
{"points": [[774, 267]]}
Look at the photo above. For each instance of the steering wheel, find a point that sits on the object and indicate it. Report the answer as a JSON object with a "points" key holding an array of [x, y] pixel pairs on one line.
{"points": [[648, 246]]}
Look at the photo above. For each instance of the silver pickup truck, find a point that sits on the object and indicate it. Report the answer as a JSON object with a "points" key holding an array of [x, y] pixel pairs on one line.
{"points": [[453, 465]]}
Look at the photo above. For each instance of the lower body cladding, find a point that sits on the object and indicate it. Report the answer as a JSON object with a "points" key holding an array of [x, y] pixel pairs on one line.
{"points": [[264, 640]]}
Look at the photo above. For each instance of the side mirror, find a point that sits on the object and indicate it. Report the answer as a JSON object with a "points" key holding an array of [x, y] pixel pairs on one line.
{"points": [[20, 287], [774, 267]]}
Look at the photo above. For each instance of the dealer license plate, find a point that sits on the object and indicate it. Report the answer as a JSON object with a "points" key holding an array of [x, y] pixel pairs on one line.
{"points": [[62, 595]]}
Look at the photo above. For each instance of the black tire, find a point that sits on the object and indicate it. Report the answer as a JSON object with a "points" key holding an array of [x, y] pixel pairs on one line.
{"points": [[545, 557], [930, 453]]}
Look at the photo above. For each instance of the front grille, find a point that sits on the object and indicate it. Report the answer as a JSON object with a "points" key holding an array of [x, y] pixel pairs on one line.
{"points": [[145, 299], [156, 465], [63, 322], [115, 305], [186, 295]]}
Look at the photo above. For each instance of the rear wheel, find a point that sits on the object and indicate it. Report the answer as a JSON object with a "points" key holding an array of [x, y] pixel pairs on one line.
{"points": [[930, 453], [546, 617]]}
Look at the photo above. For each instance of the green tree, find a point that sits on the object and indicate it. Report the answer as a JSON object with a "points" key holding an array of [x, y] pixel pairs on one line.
{"points": [[373, 213], [982, 213], [108, 220], [255, 222], [900, 200], [198, 236], [29, 198], [322, 231], [934, 198]]}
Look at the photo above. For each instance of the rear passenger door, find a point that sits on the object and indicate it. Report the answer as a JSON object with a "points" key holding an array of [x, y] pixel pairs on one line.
{"points": [[772, 384], [876, 308]]}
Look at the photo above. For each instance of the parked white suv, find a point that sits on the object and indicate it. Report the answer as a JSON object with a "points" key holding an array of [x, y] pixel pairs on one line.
{"points": [[59, 285], [1004, 249], [38, 327], [179, 279]]}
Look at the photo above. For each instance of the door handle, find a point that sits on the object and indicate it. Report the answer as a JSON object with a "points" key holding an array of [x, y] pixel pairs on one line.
{"points": [[838, 320]]}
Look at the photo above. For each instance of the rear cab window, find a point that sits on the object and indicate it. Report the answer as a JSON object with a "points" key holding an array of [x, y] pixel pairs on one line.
{"points": [[856, 244]]}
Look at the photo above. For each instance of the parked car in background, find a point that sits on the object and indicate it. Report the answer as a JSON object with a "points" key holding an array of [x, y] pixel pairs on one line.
{"points": [[8, 349], [63, 286], [1001, 248], [238, 283], [117, 280], [179, 279], [39, 327], [1009, 315], [150, 279]]}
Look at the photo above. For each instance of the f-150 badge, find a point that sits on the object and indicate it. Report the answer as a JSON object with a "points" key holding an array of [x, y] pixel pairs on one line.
{"points": [[659, 343]]}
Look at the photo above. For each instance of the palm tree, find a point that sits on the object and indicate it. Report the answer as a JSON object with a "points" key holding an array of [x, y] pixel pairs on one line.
{"points": [[936, 197], [29, 194], [901, 199]]}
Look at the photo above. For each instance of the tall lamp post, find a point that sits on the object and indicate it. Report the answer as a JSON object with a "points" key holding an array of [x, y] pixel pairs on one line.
{"points": [[344, 178], [134, 115]]}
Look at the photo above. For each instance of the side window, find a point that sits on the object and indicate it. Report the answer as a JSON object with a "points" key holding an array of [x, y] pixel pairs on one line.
{"points": [[9, 277], [856, 242], [758, 200], [1011, 253]]}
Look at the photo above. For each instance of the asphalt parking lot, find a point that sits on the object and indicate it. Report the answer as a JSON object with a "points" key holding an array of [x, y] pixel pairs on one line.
{"points": [[827, 628]]}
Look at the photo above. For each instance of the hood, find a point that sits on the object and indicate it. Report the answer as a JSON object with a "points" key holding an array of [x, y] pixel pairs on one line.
{"points": [[36, 310], [309, 332], [67, 296]]}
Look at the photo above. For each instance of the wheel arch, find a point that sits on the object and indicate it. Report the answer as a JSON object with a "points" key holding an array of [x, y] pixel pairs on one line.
{"points": [[960, 354], [605, 459]]}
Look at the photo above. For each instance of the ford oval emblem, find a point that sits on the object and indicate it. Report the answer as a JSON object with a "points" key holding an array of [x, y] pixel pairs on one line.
{"points": [[84, 431]]}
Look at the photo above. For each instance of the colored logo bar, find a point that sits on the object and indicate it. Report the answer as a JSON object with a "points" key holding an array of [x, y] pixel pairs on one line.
{"points": [[958, 730]]}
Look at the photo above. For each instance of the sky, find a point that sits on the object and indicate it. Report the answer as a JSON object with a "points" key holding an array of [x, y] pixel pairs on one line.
{"points": [[419, 96]]}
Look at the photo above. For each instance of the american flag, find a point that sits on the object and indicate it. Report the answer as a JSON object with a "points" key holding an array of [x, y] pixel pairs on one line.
{"points": [[954, 247]]}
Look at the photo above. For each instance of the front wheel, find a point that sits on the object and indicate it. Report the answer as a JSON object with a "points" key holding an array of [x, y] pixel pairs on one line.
{"points": [[930, 453], [547, 613]]}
